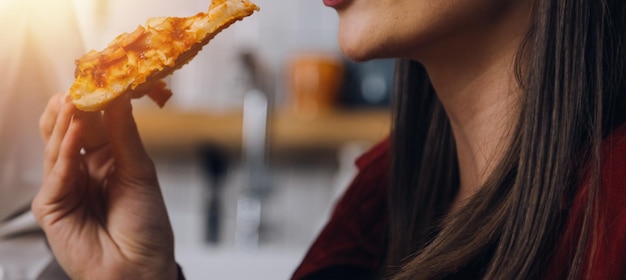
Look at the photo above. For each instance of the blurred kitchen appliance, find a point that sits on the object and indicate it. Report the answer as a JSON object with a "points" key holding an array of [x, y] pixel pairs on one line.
{"points": [[256, 115], [215, 164], [368, 84], [314, 81]]}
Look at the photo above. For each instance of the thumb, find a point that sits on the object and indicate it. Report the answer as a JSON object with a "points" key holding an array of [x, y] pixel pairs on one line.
{"points": [[126, 145]]}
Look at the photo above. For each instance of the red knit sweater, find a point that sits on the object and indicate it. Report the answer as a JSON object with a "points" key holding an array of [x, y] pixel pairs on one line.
{"points": [[353, 241]]}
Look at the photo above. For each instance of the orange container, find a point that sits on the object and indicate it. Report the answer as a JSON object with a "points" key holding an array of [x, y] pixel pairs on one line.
{"points": [[314, 82]]}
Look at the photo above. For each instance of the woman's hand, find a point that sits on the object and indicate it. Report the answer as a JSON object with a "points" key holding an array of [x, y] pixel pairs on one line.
{"points": [[100, 204]]}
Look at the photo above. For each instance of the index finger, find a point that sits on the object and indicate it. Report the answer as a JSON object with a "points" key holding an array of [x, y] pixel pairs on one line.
{"points": [[126, 144], [94, 136]]}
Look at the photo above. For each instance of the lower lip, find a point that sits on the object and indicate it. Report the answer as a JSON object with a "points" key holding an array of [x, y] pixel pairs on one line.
{"points": [[334, 3]]}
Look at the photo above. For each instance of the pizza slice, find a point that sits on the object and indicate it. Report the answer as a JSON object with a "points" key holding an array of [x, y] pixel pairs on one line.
{"points": [[134, 63]]}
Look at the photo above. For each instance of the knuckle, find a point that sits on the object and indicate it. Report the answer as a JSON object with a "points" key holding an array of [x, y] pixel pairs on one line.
{"points": [[37, 209]]}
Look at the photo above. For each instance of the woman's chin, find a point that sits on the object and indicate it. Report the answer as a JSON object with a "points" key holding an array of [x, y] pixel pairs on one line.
{"points": [[355, 49], [360, 44]]}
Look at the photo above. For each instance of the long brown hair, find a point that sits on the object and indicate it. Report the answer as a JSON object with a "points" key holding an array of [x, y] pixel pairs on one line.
{"points": [[571, 71]]}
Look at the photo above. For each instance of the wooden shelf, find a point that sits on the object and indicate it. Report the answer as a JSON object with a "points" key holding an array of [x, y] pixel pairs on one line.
{"points": [[167, 129]]}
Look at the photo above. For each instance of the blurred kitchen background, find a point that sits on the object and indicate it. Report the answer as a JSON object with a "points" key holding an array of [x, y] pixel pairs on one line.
{"points": [[261, 134]]}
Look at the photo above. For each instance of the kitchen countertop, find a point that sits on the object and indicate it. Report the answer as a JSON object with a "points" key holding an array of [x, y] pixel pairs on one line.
{"points": [[165, 129]]}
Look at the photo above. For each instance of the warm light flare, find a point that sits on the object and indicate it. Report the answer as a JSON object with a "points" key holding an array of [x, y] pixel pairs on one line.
{"points": [[21, 8], [59, 20], [49, 21], [41, 34]]}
